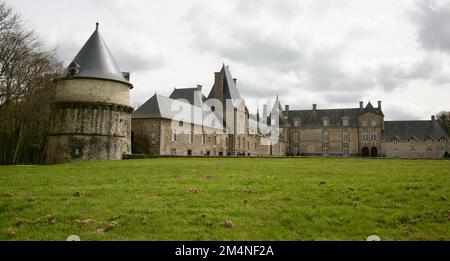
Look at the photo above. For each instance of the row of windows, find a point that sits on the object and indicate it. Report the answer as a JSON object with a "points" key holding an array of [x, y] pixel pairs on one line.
{"points": [[239, 144], [325, 136], [412, 153], [326, 151], [345, 122], [191, 138]]}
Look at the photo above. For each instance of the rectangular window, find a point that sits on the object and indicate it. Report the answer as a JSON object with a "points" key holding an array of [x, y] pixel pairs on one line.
{"points": [[191, 138], [296, 137], [326, 152], [365, 136], [429, 152], [374, 123], [373, 136], [345, 136], [326, 136], [396, 153], [215, 140], [174, 135], [203, 139]]}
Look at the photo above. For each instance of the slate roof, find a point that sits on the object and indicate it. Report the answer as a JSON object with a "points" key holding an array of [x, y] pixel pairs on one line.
{"points": [[161, 107], [96, 61], [421, 130], [187, 94], [313, 118], [230, 90]]}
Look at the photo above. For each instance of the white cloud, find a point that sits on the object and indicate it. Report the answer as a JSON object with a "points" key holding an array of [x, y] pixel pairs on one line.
{"points": [[330, 52]]}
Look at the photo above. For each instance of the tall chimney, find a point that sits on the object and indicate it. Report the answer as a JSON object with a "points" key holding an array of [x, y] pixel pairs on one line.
{"points": [[379, 104], [361, 105], [314, 107], [433, 118], [199, 88], [218, 86], [286, 108], [235, 81]]}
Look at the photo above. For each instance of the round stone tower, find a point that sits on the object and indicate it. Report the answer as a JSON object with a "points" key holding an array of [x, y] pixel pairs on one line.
{"points": [[91, 112]]}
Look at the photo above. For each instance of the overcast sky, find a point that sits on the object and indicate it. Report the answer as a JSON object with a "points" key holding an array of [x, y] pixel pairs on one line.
{"points": [[330, 52]]}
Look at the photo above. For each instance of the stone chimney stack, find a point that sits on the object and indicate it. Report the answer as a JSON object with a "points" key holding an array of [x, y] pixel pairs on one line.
{"points": [[199, 88], [379, 105], [433, 118], [314, 107], [235, 81], [218, 86], [286, 108], [361, 105]]}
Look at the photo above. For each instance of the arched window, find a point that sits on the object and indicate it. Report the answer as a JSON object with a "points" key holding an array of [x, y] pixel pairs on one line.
{"points": [[297, 122], [395, 140]]}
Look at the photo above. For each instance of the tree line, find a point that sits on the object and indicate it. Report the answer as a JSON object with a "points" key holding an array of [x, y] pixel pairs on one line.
{"points": [[27, 71]]}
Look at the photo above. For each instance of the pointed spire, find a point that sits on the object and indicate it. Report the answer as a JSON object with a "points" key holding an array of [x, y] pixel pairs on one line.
{"points": [[96, 26]]}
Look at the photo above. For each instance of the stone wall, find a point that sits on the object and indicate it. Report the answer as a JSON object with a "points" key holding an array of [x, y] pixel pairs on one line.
{"points": [[92, 90], [417, 150], [90, 120]]}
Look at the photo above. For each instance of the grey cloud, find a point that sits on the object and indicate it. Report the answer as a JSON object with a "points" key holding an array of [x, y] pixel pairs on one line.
{"points": [[248, 89], [133, 62], [432, 23]]}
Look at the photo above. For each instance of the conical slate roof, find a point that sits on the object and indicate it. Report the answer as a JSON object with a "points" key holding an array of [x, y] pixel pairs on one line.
{"points": [[96, 61]]}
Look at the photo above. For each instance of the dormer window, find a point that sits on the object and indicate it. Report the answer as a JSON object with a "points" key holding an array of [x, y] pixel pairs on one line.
{"points": [[73, 70], [297, 123], [345, 121], [364, 123], [395, 140], [412, 139], [325, 122]]}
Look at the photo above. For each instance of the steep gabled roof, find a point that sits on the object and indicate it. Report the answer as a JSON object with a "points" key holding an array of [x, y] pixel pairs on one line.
{"points": [[161, 107], [96, 61], [404, 130], [371, 109], [188, 94], [230, 90]]}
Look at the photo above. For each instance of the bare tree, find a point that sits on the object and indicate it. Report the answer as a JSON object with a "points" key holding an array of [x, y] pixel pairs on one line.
{"points": [[26, 81]]}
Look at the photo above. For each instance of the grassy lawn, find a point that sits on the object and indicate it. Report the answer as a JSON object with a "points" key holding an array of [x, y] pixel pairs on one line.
{"points": [[227, 199]]}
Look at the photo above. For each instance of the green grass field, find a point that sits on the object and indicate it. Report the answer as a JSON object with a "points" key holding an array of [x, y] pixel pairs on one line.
{"points": [[227, 199]]}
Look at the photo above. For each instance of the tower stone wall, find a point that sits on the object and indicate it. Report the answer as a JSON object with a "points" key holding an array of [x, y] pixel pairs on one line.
{"points": [[91, 112]]}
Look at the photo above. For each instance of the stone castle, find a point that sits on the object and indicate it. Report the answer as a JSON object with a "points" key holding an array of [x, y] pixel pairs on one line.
{"points": [[92, 120]]}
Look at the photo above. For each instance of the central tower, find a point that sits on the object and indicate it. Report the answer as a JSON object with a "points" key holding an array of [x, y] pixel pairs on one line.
{"points": [[91, 112]]}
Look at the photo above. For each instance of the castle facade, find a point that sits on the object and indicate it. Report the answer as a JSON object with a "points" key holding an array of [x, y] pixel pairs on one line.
{"points": [[92, 120]]}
